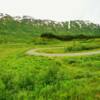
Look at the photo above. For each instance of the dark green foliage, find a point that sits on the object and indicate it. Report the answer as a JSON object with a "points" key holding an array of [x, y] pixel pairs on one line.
{"points": [[67, 37]]}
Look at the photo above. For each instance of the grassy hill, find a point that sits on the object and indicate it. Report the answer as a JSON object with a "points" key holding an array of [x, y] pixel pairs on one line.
{"points": [[16, 29]]}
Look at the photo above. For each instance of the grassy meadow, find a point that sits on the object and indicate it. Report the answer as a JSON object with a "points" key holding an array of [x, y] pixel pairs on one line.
{"points": [[25, 77]]}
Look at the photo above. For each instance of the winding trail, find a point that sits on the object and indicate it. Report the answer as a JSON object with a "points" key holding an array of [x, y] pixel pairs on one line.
{"points": [[35, 53]]}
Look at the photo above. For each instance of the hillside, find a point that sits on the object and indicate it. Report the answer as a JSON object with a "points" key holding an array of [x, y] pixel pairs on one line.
{"points": [[18, 29]]}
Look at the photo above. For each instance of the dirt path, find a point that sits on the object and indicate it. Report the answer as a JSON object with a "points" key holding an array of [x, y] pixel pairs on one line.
{"points": [[34, 52]]}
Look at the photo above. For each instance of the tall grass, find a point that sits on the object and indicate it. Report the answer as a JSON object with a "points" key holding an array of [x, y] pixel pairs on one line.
{"points": [[25, 77]]}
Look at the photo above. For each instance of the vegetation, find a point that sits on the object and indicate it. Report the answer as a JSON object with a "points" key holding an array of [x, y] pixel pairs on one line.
{"points": [[72, 46], [68, 37], [16, 29], [24, 77]]}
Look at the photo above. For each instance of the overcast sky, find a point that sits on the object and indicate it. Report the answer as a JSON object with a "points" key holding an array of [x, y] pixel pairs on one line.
{"points": [[59, 10]]}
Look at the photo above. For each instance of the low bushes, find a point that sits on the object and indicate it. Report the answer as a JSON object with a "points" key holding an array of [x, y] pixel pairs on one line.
{"points": [[67, 37]]}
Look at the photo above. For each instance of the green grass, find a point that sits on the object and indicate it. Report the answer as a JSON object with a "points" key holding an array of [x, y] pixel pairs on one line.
{"points": [[72, 46], [24, 77]]}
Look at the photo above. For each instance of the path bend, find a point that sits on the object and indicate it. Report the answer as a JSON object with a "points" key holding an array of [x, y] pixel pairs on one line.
{"points": [[35, 53]]}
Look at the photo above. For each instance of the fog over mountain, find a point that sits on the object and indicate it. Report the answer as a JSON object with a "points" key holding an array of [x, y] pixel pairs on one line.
{"points": [[59, 10]]}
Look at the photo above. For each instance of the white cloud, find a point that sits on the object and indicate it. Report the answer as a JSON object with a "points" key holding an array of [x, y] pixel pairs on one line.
{"points": [[54, 9]]}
